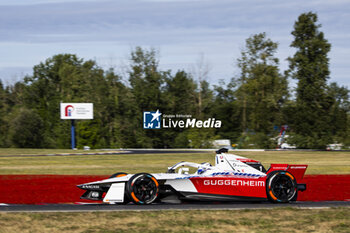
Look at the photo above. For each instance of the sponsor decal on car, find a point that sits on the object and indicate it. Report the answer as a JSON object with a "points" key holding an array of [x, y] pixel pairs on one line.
{"points": [[234, 174], [298, 167], [90, 186], [250, 183]]}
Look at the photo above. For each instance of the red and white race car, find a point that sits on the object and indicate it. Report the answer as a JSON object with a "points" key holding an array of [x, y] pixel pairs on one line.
{"points": [[233, 178]]}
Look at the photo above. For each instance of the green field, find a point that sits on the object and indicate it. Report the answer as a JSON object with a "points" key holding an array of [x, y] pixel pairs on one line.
{"points": [[319, 162], [266, 220]]}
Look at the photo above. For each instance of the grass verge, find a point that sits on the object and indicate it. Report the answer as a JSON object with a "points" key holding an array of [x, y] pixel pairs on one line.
{"points": [[269, 220]]}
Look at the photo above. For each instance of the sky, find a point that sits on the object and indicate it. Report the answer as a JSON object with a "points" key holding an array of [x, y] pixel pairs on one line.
{"points": [[183, 31]]}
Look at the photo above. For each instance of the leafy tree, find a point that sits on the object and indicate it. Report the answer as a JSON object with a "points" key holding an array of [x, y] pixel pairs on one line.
{"points": [[249, 106], [226, 108], [145, 79], [11, 99], [180, 91], [201, 138], [261, 89], [339, 112], [2, 114], [205, 100], [146, 87], [27, 129], [180, 98], [199, 72], [309, 66], [53, 81], [67, 78], [122, 125]]}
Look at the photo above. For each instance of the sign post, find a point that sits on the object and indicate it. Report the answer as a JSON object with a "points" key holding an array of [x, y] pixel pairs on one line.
{"points": [[72, 132], [76, 111]]}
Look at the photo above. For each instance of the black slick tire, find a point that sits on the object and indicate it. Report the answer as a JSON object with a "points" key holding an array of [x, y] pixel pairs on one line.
{"points": [[281, 187], [142, 189]]}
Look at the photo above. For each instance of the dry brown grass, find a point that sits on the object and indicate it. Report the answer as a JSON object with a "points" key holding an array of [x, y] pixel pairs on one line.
{"points": [[272, 220]]}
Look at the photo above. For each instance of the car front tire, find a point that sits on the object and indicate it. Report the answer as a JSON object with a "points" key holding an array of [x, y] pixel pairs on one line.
{"points": [[142, 188]]}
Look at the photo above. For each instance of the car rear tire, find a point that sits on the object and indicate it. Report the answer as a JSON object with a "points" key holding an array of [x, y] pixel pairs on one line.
{"points": [[142, 188], [281, 187]]}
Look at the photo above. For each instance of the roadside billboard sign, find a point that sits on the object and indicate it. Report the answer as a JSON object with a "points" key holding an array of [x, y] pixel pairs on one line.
{"points": [[77, 111]]}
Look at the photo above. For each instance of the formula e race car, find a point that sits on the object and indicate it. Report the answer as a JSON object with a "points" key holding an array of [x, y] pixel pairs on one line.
{"points": [[233, 178]]}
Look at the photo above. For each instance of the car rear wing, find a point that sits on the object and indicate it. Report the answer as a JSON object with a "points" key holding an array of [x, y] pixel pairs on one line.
{"points": [[297, 170]]}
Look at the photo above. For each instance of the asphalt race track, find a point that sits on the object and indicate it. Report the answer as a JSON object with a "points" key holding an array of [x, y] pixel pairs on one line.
{"points": [[157, 207], [161, 151]]}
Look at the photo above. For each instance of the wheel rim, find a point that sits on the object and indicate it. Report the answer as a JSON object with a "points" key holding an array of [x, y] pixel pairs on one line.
{"points": [[144, 189], [283, 187]]}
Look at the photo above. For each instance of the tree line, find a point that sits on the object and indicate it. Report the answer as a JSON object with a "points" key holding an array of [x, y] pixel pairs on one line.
{"points": [[252, 106]]}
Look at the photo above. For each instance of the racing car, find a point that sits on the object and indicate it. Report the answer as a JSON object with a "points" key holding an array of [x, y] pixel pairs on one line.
{"points": [[232, 178]]}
